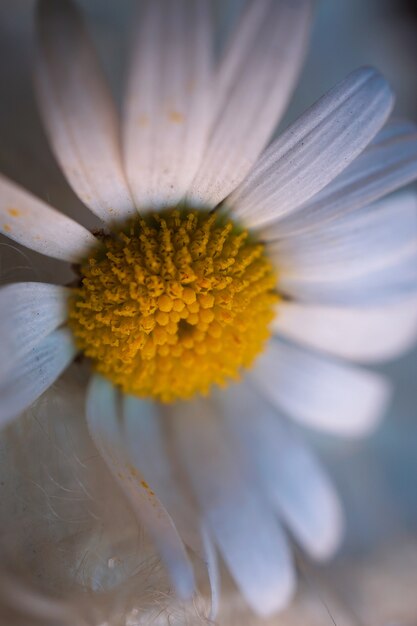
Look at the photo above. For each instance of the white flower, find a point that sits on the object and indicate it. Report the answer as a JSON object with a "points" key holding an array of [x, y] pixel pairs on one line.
{"points": [[344, 258]]}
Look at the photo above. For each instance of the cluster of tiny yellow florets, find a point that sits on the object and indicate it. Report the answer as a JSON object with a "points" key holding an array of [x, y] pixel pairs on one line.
{"points": [[173, 303]]}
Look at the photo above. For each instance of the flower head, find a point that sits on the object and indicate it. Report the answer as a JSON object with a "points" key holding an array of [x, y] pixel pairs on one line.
{"points": [[209, 244]]}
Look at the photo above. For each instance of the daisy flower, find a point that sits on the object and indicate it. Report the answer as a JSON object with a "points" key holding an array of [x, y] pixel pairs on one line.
{"points": [[229, 285]]}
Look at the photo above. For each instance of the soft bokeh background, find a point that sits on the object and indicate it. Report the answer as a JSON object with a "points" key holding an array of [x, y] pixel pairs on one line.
{"points": [[373, 581]]}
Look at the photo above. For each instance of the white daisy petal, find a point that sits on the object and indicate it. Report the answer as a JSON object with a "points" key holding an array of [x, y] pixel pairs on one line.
{"points": [[321, 392], [213, 571], [388, 163], [78, 112], [383, 286], [168, 102], [395, 128], [150, 455], [315, 149], [363, 258], [361, 242], [245, 529], [32, 223], [21, 386], [28, 313], [255, 81], [293, 480], [105, 431], [361, 334]]}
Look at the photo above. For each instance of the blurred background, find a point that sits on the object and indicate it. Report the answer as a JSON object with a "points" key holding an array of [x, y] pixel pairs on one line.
{"points": [[374, 578]]}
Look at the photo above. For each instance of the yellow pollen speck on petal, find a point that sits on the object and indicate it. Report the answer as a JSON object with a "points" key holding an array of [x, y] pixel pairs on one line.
{"points": [[191, 84], [146, 486], [6, 228], [134, 472], [143, 120], [14, 212], [174, 303], [175, 117]]}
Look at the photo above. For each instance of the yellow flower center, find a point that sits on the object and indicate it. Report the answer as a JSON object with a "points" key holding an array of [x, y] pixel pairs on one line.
{"points": [[173, 303]]}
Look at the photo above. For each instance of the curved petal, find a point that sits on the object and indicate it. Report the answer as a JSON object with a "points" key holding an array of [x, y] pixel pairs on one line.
{"points": [[314, 149], [361, 334], [388, 163], [294, 482], [255, 80], [320, 392], [368, 240], [28, 313], [105, 431], [381, 286], [22, 385], [168, 103], [32, 223], [78, 112], [150, 455], [245, 529], [396, 128], [213, 571]]}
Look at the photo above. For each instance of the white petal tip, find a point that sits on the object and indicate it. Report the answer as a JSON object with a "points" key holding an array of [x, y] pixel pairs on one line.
{"points": [[370, 73], [329, 542], [276, 596], [184, 585], [364, 421]]}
